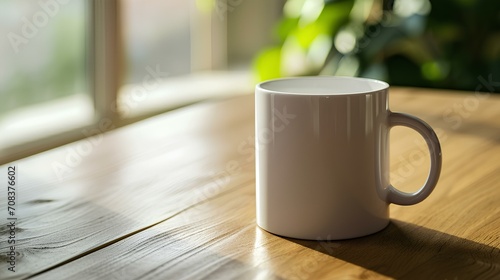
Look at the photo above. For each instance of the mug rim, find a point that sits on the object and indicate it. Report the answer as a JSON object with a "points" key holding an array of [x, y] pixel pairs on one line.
{"points": [[378, 85]]}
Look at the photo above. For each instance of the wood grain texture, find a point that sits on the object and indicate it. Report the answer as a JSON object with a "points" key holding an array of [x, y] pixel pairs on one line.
{"points": [[130, 179], [173, 197]]}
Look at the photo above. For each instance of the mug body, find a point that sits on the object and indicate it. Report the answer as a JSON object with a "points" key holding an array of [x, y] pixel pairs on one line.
{"points": [[322, 157]]}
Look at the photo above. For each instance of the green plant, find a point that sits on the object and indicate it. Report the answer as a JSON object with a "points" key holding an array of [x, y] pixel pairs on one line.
{"points": [[446, 44]]}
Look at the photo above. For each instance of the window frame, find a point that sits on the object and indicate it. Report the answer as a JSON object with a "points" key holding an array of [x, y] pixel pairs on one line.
{"points": [[103, 64], [105, 59]]}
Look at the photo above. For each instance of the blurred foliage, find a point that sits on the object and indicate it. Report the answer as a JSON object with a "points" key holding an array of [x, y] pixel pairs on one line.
{"points": [[446, 44], [51, 65]]}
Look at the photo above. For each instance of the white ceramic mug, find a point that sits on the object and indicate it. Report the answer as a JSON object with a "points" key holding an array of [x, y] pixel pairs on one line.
{"points": [[322, 157]]}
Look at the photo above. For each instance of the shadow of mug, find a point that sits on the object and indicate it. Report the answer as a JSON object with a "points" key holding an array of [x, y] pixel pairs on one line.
{"points": [[408, 251]]}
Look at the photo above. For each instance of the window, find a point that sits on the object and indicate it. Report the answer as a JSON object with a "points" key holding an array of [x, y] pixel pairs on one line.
{"points": [[43, 70], [150, 41], [67, 66]]}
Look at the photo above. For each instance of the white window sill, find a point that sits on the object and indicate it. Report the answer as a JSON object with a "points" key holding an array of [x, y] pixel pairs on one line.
{"points": [[37, 128], [29, 123], [142, 100]]}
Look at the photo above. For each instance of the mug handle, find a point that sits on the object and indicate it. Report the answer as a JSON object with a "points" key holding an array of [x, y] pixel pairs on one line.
{"points": [[402, 198]]}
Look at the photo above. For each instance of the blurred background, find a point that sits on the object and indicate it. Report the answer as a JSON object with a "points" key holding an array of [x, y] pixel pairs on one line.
{"points": [[443, 44], [200, 48]]}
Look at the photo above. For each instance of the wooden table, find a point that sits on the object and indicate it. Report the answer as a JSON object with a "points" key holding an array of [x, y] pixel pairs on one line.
{"points": [[173, 197]]}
